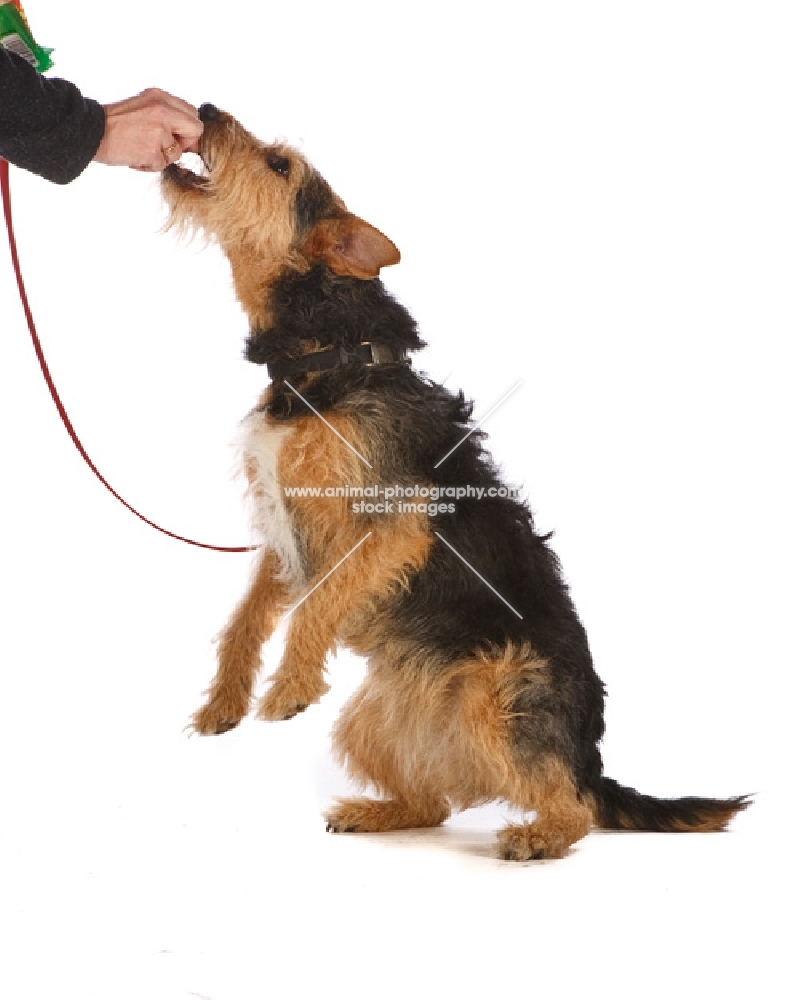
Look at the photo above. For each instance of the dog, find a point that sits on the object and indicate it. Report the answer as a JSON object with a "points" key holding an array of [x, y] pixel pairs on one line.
{"points": [[480, 683]]}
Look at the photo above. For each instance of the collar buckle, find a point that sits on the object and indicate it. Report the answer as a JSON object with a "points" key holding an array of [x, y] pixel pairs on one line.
{"points": [[381, 353]]}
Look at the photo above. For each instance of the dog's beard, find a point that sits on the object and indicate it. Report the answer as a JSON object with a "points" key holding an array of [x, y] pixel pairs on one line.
{"points": [[183, 217]]}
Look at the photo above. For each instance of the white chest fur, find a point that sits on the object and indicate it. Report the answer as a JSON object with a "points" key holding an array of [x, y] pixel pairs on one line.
{"points": [[261, 443]]}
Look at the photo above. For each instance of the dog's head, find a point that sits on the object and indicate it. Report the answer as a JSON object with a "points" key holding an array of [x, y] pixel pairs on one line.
{"points": [[270, 211]]}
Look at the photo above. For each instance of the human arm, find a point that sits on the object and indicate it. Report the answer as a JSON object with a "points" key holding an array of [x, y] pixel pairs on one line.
{"points": [[49, 128], [46, 125]]}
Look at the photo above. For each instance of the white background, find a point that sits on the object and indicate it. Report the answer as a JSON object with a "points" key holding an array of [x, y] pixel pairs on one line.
{"points": [[599, 199]]}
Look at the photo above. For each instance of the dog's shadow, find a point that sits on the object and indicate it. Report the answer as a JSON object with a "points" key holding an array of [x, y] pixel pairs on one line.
{"points": [[476, 841]]}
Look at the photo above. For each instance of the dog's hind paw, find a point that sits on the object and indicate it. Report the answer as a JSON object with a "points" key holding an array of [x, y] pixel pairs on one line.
{"points": [[528, 842], [381, 815], [289, 696]]}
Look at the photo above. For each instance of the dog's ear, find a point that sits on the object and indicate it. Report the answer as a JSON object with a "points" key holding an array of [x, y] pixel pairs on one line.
{"points": [[350, 246]]}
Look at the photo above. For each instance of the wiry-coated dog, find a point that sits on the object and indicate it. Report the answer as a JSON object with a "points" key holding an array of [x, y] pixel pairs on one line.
{"points": [[470, 696]]}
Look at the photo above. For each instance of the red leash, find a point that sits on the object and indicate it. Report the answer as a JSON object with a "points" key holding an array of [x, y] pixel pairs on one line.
{"points": [[4, 185]]}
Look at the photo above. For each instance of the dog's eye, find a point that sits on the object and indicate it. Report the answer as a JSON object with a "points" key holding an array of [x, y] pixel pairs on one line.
{"points": [[279, 164]]}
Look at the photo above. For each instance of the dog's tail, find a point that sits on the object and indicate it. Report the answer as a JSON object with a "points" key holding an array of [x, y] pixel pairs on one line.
{"points": [[616, 807]]}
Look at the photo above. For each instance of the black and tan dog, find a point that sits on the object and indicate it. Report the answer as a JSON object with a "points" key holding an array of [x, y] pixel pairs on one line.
{"points": [[473, 692]]}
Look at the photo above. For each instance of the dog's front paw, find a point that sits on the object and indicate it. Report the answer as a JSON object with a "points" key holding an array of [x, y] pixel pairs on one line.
{"points": [[223, 711], [289, 696]]}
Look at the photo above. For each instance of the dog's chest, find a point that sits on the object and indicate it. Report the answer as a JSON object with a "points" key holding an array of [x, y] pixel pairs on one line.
{"points": [[261, 444]]}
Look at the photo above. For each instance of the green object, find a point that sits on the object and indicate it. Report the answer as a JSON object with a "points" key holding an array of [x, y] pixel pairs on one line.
{"points": [[16, 37]]}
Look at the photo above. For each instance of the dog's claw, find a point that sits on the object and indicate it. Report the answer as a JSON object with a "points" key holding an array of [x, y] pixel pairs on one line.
{"points": [[516, 852], [225, 727], [332, 828]]}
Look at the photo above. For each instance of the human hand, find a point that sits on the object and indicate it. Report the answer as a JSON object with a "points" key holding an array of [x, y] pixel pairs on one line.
{"points": [[149, 131]]}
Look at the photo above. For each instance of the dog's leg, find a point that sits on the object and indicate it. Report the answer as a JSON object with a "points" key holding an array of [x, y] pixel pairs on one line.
{"points": [[315, 623], [376, 744], [561, 817], [381, 815], [239, 650], [298, 682], [382, 739]]}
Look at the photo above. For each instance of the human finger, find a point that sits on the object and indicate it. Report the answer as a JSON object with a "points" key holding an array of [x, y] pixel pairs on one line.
{"points": [[185, 129], [188, 138], [153, 95], [178, 104], [161, 109], [178, 115], [173, 151], [147, 137]]}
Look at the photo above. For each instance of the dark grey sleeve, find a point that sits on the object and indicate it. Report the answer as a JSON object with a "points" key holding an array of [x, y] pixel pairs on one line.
{"points": [[46, 126]]}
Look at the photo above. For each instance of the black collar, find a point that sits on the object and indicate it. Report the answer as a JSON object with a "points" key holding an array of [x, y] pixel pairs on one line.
{"points": [[367, 353]]}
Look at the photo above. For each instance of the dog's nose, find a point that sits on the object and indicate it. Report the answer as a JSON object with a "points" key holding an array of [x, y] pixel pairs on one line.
{"points": [[208, 113]]}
